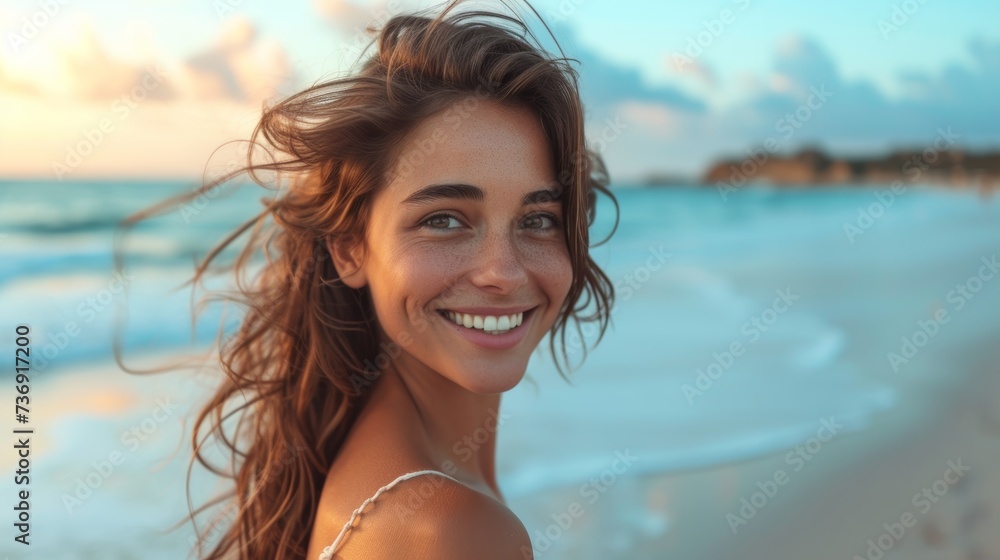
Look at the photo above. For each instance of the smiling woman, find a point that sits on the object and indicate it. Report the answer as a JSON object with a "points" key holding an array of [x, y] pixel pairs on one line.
{"points": [[478, 252], [433, 232]]}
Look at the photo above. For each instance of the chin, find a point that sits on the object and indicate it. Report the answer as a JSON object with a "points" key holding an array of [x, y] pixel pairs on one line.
{"points": [[489, 381]]}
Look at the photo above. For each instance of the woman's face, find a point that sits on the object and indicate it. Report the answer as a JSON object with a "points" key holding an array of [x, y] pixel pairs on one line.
{"points": [[468, 231]]}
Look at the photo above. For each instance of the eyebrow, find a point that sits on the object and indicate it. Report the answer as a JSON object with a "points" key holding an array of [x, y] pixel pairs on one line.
{"points": [[464, 191]]}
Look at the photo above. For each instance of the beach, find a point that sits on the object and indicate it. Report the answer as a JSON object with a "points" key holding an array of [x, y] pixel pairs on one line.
{"points": [[771, 386]]}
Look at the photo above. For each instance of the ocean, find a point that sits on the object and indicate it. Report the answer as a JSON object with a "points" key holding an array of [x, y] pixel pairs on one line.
{"points": [[744, 324]]}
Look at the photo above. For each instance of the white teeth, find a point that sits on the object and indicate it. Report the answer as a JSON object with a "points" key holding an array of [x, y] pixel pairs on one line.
{"points": [[490, 323]]}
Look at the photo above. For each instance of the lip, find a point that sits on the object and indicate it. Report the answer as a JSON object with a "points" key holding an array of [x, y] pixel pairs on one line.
{"points": [[504, 341]]}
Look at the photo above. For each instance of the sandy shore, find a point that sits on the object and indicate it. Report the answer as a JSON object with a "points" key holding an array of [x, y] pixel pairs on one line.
{"points": [[850, 490], [859, 495]]}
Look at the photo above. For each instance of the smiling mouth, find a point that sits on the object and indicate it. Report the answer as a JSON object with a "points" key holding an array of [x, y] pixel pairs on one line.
{"points": [[490, 324]]}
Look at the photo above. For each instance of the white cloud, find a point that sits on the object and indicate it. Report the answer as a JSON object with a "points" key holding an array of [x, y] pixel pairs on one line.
{"points": [[345, 15], [691, 67], [76, 103], [240, 66], [856, 118], [655, 119]]}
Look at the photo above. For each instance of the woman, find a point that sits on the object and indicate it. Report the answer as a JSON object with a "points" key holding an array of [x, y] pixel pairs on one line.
{"points": [[434, 228]]}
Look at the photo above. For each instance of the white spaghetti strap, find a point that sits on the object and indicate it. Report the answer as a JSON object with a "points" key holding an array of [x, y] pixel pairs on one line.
{"points": [[327, 553]]}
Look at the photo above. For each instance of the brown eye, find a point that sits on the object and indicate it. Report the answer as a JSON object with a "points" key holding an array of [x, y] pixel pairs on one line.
{"points": [[542, 222], [440, 221]]}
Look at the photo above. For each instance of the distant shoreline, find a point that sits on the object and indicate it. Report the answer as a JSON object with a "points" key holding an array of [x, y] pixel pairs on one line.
{"points": [[810, 168]]}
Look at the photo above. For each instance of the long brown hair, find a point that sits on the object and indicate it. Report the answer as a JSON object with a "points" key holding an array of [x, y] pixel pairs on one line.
{"points": [[300, 366]]}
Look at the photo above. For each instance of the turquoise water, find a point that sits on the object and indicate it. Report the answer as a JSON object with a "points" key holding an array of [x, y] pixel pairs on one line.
{"points": [[740, 326], [771, 314]]}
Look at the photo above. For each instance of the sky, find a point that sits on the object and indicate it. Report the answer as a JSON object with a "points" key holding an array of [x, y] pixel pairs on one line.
{"points": [[152, 88]]}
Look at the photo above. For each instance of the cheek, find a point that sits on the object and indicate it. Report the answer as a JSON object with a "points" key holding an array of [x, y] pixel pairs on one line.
{"points": [[554, 270], [416, 275]]}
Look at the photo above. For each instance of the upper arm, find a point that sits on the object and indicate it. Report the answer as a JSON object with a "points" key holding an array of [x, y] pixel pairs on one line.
{"points": [[440, 519]]}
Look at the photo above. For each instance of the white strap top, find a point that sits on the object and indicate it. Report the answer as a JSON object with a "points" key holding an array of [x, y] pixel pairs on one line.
{"points": [[327, 553]]}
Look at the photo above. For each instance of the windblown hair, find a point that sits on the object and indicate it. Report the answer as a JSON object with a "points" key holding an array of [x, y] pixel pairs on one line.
{"points": [[301, 364]]}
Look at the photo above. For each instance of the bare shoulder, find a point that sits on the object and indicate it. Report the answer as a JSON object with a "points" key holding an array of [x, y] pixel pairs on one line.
{"points": [[434, 517]]}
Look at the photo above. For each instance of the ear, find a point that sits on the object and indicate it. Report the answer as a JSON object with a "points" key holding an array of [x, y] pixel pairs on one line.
{"points": [[348, 255]]}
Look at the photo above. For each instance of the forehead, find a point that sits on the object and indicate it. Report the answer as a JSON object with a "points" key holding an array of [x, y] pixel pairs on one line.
{"points": [[478, 142]]}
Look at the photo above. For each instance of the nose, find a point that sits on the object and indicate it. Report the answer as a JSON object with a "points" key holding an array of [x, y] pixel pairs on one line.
{"points": [[499, 266]]}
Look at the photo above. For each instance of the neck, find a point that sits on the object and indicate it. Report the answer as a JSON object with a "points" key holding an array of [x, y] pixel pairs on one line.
{"points": [[458, 427]]}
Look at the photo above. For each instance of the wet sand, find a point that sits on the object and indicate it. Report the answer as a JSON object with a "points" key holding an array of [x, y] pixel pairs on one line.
{"points": [[854, 488]]}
